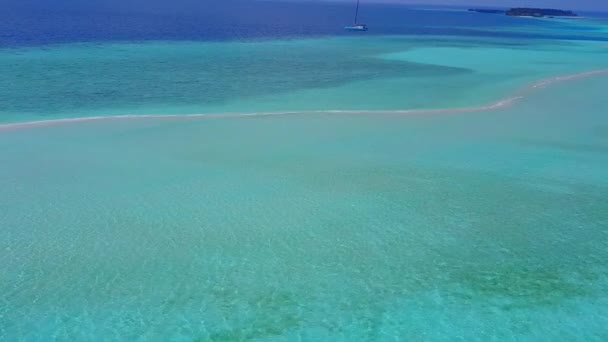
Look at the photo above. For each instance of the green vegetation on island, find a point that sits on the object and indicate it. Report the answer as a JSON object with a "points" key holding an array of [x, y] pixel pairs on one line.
{"points": [[528, 12]]}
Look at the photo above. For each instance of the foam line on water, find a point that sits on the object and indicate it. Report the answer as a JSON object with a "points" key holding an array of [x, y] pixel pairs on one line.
{"points": [[502, 103]]}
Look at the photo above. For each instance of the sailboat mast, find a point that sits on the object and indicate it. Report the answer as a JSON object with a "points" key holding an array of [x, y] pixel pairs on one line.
{"points": [[357, 12]]}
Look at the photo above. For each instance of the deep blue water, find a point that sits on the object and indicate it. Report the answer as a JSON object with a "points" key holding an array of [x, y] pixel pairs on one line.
{"points": [[34, 22]]}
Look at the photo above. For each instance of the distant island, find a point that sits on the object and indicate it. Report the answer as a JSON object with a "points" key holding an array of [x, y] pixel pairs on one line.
{"points": [[528, 12]]}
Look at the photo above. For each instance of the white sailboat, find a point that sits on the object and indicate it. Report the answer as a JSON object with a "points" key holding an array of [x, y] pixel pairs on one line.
{"points": [[356, 26]]}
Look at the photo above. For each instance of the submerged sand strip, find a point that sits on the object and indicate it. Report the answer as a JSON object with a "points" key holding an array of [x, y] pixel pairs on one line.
{"points": [[503, 103]]}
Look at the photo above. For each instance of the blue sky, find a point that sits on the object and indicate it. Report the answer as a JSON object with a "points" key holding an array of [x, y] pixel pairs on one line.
{"points": [[601, 5]]}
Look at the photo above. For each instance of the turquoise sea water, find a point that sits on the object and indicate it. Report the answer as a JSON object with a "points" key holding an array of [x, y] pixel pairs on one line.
{"points": [[478, 225], [489, 225], [392, 72]]}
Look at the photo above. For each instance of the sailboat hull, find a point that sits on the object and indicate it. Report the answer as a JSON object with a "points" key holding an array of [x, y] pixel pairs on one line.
{"points": [[355, 28]]}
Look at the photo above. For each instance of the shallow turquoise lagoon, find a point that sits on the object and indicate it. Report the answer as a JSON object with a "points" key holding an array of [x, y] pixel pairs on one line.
{"points": [[333, 73], [429, 226], [471, 226]]}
